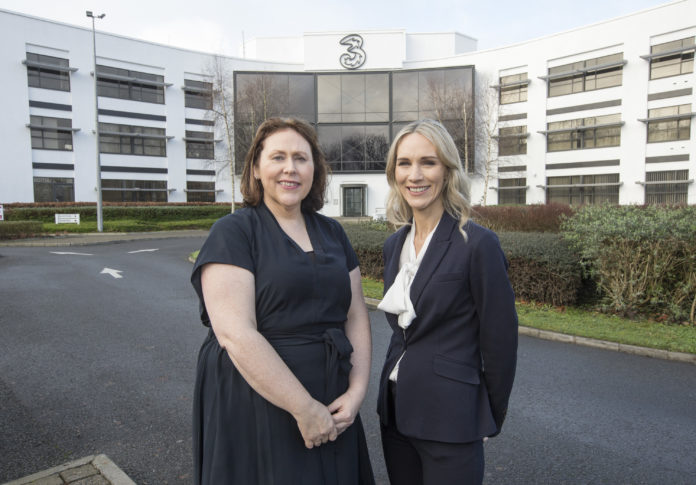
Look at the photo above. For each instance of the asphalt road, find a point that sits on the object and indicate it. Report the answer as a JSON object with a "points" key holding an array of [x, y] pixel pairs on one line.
{"points": [[91, 363]]}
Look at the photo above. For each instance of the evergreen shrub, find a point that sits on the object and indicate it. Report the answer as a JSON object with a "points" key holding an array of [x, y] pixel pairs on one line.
{"points": [[19, 229], [543, 268], [643, 259], [522, 218]]}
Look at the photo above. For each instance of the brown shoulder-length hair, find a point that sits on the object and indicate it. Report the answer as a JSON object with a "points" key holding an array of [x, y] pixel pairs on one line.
{"points": [[252, 190]]}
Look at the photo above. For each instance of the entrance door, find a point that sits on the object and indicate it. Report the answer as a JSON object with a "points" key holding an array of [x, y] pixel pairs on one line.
{"points": [[354, 201]]}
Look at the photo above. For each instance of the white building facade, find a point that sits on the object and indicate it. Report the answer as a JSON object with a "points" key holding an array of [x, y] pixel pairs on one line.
{"points": [[597, 114]]}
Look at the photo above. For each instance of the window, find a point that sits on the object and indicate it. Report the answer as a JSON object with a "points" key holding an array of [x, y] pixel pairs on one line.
{"points": [[670, 187], [513, 89], [671, 123], [576, 77], [198, 94], [582, 133], [678, 58], [512, 191], [51, 133], [114, 190], [259, 96], [132, 140], [47, 189], [118, 83], [200, 144], [357, 114], [353, 98], [200, 191], [583, 189], [48, 72], [355, 148], [512, 140]]}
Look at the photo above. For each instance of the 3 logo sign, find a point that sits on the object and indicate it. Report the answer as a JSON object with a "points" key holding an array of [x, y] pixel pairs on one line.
{"points": [[356, 56]]}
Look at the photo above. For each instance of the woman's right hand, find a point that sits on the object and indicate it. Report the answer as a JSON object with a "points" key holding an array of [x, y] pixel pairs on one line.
{"points": [[316, 424]]}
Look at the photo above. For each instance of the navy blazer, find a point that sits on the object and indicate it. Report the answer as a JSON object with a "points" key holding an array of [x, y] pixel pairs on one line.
{"points": [[461, 349]]}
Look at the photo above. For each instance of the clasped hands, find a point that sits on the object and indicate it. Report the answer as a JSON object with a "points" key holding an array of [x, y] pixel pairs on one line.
{"points": [[319, 424]]}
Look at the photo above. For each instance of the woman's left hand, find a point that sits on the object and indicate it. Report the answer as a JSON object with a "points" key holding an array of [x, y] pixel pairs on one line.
{"points": [[344, 409]]}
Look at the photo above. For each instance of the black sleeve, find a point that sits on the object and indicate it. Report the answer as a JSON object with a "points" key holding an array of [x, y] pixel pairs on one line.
{"points": [[229, 242]]}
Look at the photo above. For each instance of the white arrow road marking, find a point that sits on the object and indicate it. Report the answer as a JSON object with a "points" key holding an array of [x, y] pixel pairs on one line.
{"points": [[116, 273], [143, 251], [68, 252]]}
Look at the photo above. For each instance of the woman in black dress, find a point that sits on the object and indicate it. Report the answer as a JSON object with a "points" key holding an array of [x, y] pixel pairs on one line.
{"points": [[284, 369]]}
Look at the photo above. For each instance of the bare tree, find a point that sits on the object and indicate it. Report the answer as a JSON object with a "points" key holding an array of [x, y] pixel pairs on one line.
{"points": [[223, 115], [487, 113], [452, 106]]}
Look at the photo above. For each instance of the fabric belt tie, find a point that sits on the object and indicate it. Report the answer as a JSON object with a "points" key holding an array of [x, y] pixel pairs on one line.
{"points": [[337, 366]]}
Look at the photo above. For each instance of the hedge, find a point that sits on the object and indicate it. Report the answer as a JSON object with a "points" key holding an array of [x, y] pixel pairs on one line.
{"points": [[542, 267], [19, 229], [643, 259], [145, 212], [522, 218]]}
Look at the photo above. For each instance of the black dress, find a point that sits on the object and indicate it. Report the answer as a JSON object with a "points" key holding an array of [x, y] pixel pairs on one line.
{"points": [[302, 300]]}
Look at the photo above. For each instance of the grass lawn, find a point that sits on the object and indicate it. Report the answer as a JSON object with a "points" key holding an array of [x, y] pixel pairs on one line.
{"points": [[129, 225], [585, 323]]}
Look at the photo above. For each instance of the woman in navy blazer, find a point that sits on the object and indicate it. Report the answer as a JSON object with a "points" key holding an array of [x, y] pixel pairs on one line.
{"points": [[451, 360]]}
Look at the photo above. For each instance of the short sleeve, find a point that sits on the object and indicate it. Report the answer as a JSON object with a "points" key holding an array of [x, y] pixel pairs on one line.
{"points": [[351, 258], [229, 242]]}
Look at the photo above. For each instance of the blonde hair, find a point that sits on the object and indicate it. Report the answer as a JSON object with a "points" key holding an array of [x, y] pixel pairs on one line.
{"points": [[456, 196]]}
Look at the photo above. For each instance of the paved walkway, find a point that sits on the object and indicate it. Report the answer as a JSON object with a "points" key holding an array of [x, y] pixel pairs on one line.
{"points": [[90, 470]]}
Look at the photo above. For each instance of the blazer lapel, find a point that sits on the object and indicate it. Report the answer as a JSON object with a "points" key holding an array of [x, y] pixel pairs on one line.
{"points": [[392, 269], [433, 255]]}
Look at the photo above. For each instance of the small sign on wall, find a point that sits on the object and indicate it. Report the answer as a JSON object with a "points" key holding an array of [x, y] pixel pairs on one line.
{"points": [[2, 213]]}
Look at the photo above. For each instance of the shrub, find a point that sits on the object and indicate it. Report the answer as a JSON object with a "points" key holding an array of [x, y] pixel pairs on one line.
{"points": [[19, 229], [522, 218], [149, 213], [643, 259], [542, 267], [367, 239]]}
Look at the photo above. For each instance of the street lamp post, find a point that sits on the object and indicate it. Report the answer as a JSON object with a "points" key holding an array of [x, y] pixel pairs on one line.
{"points": [[100, 218]]}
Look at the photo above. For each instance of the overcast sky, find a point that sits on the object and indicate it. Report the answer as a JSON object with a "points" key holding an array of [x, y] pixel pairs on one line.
{"points": [[216, 26]]}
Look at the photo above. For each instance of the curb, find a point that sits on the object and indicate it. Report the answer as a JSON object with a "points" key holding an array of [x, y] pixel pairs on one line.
{"points": [[590, 342], [90, 238], [93, 469]]}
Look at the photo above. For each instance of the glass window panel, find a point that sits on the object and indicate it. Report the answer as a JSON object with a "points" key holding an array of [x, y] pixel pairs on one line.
{"points": [[329, 98], [405, 96], [376, 97]]}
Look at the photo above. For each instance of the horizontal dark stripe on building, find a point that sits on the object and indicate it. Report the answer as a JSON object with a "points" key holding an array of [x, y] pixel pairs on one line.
{"points": [[519, 116], [670, 94], [128, 114], [596, 163], [583, 107], [134, 169], [53, 166], [191, 121], [513, 168], [56, 106], [200, 172], [668, 158]]}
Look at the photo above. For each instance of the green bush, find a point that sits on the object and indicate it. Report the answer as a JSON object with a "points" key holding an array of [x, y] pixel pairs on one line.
{"points": [[522, 218], [643, 259], [542, 268], [367, 239], [19, 229], [149, 213]]}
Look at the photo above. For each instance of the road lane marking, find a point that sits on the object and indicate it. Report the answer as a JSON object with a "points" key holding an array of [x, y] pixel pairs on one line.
{"points": [[116, 273], [69, 252], [143, 251]]}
